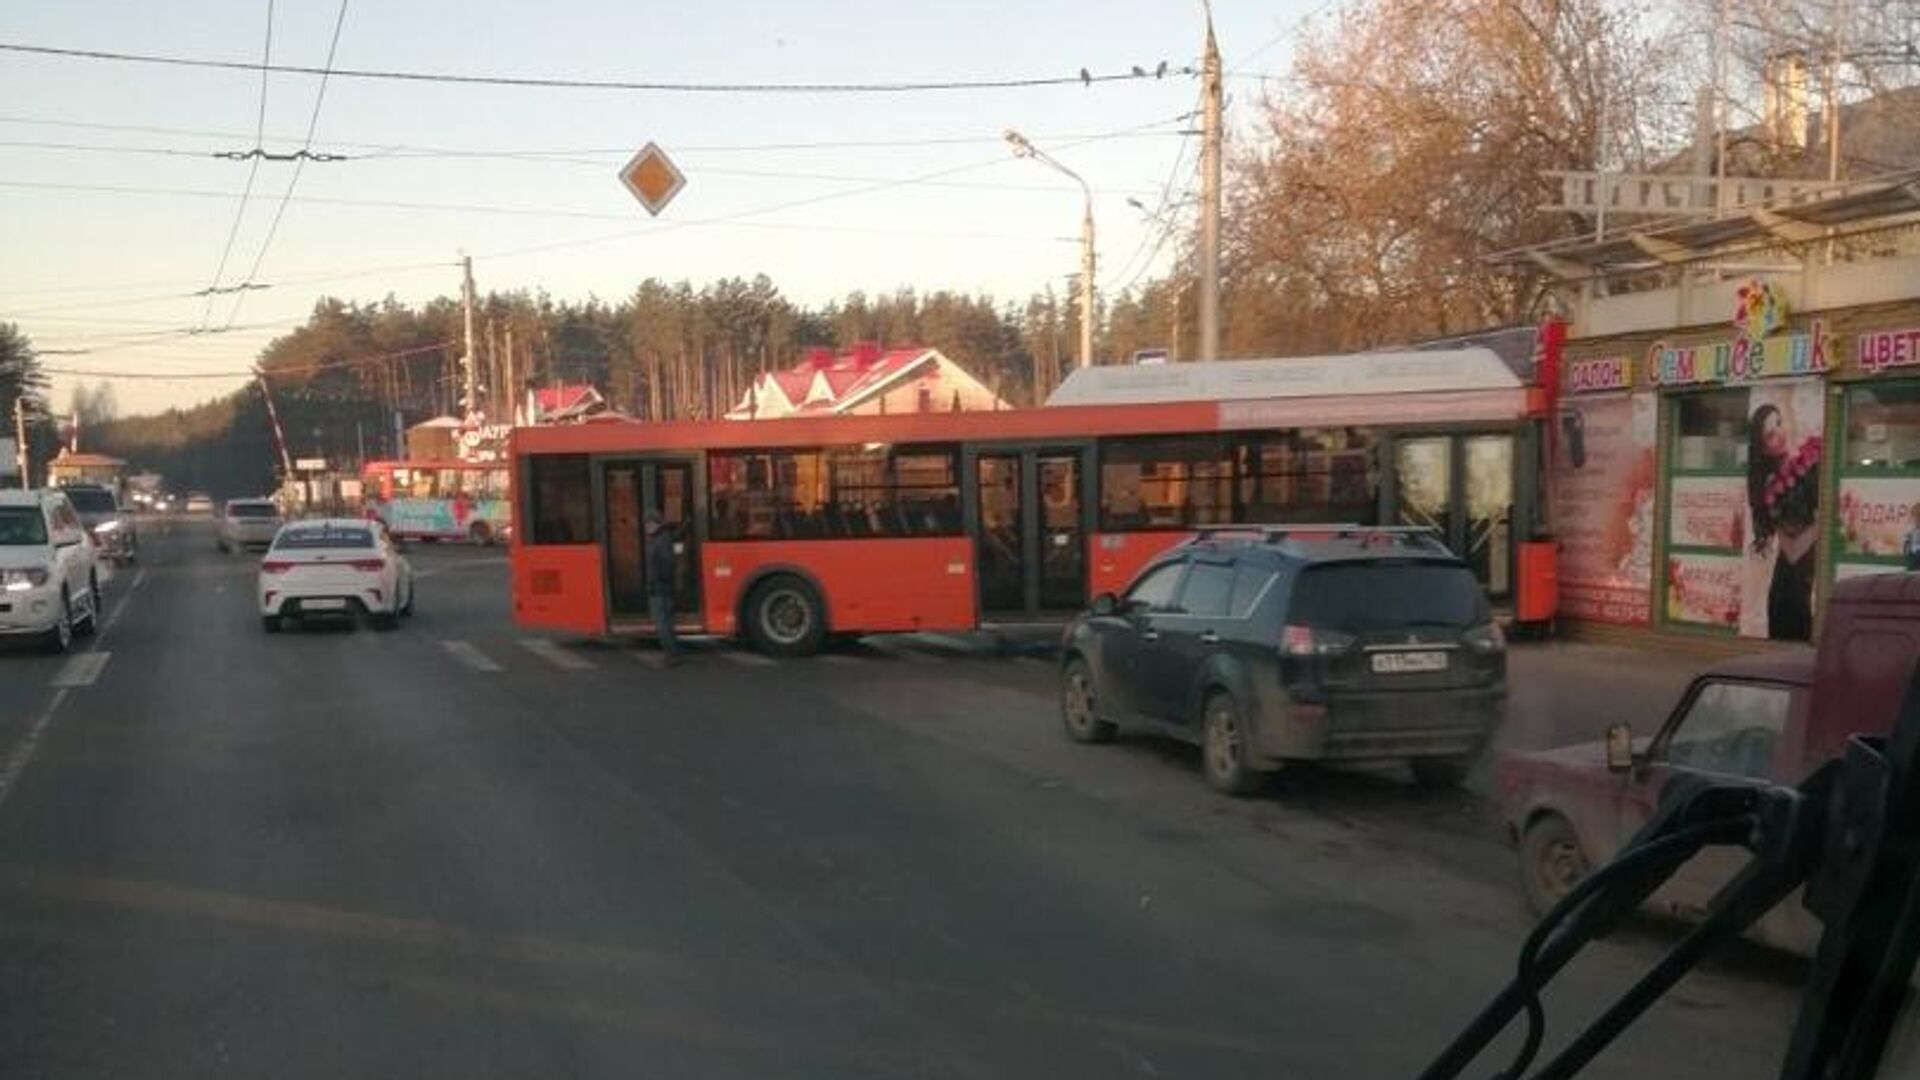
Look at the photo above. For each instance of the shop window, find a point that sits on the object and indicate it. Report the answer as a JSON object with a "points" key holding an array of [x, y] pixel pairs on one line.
{"points": [[839, 493], [1165, 483], [1308, 476], [1883, 428], [559, 493], [1710, 431]]}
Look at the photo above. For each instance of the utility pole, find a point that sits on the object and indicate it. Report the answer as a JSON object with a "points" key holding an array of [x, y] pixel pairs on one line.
{"points": [[508, 393], [469, 361], [22, 458], [1210, 138], [1086, 285]]}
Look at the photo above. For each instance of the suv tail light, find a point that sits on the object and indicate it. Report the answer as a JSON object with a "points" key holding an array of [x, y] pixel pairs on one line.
{"points": [[275, 566], [1485, 639], [371, 566], [1313, 641]]}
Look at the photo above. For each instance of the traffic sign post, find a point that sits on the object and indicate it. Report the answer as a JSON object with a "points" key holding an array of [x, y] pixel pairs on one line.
{"points": [[653, 178]]}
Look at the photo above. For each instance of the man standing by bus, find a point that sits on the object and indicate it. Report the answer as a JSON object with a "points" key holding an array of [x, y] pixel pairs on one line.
{"points": [[661, 566]]}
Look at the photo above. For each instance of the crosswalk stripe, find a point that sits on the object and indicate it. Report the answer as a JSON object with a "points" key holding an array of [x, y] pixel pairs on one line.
{"points": [[553, 653], [749, 659], [82, 669], [470, 656]]}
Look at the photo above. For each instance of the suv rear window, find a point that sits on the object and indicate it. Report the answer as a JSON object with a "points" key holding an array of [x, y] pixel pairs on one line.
{"points": [[1364, 597], [252, 510], [92, 500]]}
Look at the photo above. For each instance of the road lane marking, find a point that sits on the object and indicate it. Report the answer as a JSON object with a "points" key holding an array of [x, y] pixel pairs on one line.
{"points": [[23, 752], [749, 659], [556, 654], [470, 656], [81, 669], [121, 607]]}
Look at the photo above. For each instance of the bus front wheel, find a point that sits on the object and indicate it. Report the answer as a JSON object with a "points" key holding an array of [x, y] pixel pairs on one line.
{"points": [[785, 617], [481, 534]]}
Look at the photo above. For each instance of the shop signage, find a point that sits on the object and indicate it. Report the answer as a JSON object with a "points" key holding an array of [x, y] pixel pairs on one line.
{"points": [[1879, 350], [1743, 359], [1599, 373]]}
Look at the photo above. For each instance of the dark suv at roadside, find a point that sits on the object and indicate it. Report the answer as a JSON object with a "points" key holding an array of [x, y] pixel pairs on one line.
{"points": [[110, 527], [1272, 644]]}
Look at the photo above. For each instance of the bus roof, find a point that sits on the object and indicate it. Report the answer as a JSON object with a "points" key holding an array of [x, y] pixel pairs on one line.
{"points": [[1398, 372], [1063, 422]]}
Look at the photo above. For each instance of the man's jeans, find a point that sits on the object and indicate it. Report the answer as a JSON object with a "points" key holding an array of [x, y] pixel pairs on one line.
{"points": [[660, 606]]}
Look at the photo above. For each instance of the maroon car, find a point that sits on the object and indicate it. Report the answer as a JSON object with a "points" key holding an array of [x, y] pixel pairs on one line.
{"points": [[1768, 719]]}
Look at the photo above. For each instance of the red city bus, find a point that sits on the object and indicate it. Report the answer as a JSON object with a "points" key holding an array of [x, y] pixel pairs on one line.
{"points": [[438, 500], [793, 529]]}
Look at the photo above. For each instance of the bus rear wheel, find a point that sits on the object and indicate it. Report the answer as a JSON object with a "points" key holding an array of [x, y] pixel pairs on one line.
{"points": [[481, 534], [785, 617]]}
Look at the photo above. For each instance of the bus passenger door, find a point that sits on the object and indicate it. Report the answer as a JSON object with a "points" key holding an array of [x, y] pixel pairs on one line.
{"points": [[1462, 487], [626, 566], [1029, 528], [669, 486]]}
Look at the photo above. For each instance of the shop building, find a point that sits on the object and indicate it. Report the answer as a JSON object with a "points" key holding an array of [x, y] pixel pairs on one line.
{"points": [[1738, 415]]}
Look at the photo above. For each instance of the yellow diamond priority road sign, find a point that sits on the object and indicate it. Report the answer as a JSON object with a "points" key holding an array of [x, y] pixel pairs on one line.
{"points": [[653, 178]]}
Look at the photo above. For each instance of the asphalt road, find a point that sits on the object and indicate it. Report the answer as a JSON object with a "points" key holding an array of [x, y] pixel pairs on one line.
{"points": [[456, 850]]}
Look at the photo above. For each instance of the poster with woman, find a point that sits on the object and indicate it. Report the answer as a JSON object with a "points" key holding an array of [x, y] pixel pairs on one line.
{"points": [[1785, 424], [1603, 488]]}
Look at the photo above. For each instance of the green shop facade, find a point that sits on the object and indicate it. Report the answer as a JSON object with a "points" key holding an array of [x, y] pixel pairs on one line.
{"points": [[1716, 478]]}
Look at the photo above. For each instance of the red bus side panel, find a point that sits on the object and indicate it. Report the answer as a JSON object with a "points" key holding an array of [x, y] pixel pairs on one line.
{"points": [[558, 587], [870, 585], [1117, 557]]}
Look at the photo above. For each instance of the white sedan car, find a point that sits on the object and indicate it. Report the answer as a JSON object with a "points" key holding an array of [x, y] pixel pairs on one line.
{"points": [[335, 568]]}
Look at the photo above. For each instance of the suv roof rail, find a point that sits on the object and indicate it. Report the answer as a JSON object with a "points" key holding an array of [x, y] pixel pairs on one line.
{"points": [[1427, 536]]}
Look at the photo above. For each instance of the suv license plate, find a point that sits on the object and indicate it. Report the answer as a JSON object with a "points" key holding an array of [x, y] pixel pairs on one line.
{"points": [[1400, 663], [336, 605]]}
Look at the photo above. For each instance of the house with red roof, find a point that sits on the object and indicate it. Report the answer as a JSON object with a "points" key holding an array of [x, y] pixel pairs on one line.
{"points": [[566, 402], [866, 379]]}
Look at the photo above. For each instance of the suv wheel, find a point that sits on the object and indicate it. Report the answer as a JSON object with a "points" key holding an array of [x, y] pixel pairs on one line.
{"points": [[60, 638], [90, 624], [1079, 705], [1223, 747], [1551, 861]]}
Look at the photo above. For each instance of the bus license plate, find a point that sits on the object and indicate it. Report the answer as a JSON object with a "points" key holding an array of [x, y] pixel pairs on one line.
{"points": [[1401, 663]]}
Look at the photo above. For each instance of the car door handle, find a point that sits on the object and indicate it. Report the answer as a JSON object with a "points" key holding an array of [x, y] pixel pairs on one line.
{"points": [[1149, 635], [1208, 637]]}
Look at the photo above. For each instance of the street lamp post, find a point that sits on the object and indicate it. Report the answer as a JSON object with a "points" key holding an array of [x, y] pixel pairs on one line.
{"points": [[1024, 149]]}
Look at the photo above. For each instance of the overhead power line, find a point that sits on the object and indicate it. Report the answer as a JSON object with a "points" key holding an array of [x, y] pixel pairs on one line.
{"points": [[253, 171], [249, 373], [405, 150], [299, 165], [1082, 78]]}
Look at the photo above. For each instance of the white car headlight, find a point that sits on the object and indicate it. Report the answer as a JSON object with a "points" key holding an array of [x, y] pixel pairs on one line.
{"points": [[107, 526], [22, 580]]}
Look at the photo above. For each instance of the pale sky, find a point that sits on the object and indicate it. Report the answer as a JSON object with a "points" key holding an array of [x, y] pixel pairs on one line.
{"points": [[107, 271]]}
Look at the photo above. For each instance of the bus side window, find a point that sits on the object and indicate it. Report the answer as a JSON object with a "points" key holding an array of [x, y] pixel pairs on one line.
{"points": [[559, 499]]}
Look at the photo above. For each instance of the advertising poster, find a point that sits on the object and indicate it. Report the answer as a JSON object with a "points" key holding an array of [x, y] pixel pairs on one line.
{"points": [[1603, 488], [1875, 515], [1708, 511], [1705, 589], [1785, 426]]}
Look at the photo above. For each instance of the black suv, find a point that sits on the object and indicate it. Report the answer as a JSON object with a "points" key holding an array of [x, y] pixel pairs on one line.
{"points": [[1269, 644]]}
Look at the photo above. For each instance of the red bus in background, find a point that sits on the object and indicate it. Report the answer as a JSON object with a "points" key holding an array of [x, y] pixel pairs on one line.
{"points": [[438, 500], [795, 529]]}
